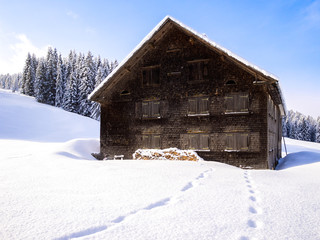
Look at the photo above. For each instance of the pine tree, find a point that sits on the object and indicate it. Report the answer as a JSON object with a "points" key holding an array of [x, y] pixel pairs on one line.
{"points": [[318, 131], [51, 76], [28, 77], [305, 129], [41, 82], [71, 94], [60, 82], [87, 83], [95, 107]]}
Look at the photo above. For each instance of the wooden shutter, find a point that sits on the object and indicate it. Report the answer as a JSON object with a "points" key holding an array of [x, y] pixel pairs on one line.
{"points": [[242, 141], [155, 109], [229, 103], [192, 106], [145, 141], [145, 109], [229, 143], [155, 142], [243, 102], [203, 105], [204, 141], [193, 140]]}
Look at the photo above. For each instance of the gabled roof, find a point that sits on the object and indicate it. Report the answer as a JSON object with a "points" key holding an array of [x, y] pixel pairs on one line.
{"points": [[160, 29]]}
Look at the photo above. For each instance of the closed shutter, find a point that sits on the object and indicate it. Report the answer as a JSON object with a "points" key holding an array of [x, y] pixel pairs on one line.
{"points": [[229, 103], [229, 142], [192, 106], [204, 105], [155, 144], [155, 109], [204, 141], [145, 142], [242, 141], [243, 103], [145, 109], [194, 141]]}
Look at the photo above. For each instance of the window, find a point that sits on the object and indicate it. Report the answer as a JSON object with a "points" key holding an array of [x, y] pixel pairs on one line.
{"points": [[230, 82], [151, 109], [151, 141], [198, 106], [124, 93], [151, 76], [236, 142], [198, 70], [236, 103], [199, 141]]}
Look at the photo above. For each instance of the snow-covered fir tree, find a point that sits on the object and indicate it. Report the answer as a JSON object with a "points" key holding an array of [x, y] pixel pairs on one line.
{"points": [[95, 106], [28, 77], [318, 131], [299, 126], [51, 76], [71, 96], [41, 81], [60, 82], [87, 83]]}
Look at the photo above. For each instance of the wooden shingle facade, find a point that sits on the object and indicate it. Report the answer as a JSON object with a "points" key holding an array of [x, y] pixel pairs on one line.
{"points": [[179, 89]]}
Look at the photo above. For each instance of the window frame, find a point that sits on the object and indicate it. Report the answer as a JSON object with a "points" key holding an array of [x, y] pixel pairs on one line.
{"points": [[198, 70], [236, 103], [147, 76], [199, 141], [151, 109], [197, 109], [237, 142], [151, 141]]}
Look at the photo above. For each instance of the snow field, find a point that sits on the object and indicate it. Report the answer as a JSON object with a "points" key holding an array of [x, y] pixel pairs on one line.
{"points": [[52, 188]]}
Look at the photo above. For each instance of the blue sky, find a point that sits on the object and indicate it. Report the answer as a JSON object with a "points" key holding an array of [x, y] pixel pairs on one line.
{"points": [[281, 37]]}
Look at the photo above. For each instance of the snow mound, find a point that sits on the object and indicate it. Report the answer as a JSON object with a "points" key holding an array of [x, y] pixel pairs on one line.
{"points": [[166, 154], [298, 159], [79, 148]]}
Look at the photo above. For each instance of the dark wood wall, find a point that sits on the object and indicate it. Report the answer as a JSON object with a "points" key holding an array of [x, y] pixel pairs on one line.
{"points": [[125, 127]]}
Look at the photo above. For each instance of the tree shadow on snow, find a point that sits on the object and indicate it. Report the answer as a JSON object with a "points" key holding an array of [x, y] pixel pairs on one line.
{"points": [[298, 159]]}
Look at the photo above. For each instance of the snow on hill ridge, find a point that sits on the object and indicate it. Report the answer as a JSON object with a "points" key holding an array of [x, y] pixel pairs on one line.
{"points": [[49, 189]]}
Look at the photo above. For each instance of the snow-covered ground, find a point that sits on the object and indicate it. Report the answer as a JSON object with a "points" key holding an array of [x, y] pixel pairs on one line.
{"points": [[51, 187]]}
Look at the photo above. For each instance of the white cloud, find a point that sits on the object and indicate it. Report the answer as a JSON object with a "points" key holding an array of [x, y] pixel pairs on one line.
{"points": [[14, 49], [73, 15]]}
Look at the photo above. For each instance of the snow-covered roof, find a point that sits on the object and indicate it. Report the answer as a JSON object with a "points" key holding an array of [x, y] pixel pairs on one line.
{"points": [[201, 37]]}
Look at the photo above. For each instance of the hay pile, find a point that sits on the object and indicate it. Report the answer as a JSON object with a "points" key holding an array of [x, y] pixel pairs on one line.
{"points": [[166, 154]]}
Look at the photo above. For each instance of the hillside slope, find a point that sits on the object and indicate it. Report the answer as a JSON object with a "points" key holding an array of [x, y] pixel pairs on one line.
{"points": [[51, 187]]}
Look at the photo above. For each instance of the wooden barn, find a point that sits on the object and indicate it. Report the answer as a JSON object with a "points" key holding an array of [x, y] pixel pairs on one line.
{"points": [[179, 89]]}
